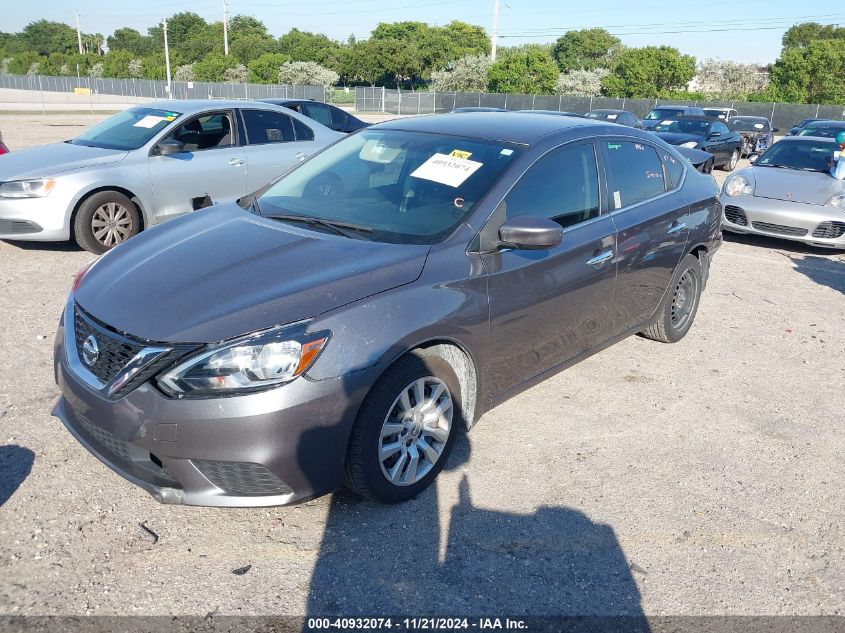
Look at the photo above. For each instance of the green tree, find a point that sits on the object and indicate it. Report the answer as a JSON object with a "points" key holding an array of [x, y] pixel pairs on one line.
{"points": [[526, 70], [116, 63], [266, 68], [45, 37], [52, 64], [213, 67], [801, 35], [586, 49], [302, 46], [649, 71], [306, 74], [811, 74], [127, 39], [581, 83], [22, 62], [466, 40], [247, 48]]}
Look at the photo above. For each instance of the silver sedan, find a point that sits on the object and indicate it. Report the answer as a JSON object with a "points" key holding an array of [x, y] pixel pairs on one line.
{"points": [[148, 164], [789, 193]]}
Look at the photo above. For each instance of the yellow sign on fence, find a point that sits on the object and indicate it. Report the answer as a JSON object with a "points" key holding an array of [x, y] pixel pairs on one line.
{"points": [[82, 91]]}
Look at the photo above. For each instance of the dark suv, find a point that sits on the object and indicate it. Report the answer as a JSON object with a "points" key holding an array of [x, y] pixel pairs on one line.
{"points": [[345, 323]]}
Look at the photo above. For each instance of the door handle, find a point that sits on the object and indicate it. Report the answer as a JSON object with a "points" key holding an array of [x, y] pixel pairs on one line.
{"points": [[300, 156], [676, 228], [236, 162], [600, 259]]}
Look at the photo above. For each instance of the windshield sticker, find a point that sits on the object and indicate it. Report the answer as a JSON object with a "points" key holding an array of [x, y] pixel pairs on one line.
{"points": [[667, 122], [446, 170], [614, 146], [617, 200], [457, 153], [374, 151], [149, 121], [506, 152], [759, 126], [612, 117]]}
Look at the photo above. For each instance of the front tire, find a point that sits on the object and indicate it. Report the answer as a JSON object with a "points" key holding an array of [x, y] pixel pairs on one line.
{"points": [[104, 220], [680, 304], [732, 162], [405, 429]]}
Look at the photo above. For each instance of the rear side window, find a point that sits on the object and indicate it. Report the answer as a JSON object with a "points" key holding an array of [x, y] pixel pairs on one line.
{"points": [[562, 186], [674, 171], [636, 173], [302, 131], [319, 113], [339, 117], [264, 126]]}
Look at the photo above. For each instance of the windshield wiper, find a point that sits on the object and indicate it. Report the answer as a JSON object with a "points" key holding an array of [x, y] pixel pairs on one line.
{"points": [[778, 165], [340, 228]]}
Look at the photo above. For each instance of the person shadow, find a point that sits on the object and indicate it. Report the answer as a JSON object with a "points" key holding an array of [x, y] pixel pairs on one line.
{"points": [[15, 466], [822, 270], [418, 559]]}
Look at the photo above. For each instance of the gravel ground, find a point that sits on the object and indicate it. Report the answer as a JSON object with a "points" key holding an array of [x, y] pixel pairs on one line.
{"points": [[704, 477]]}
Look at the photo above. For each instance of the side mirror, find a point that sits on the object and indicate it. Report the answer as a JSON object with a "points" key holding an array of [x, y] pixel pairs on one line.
{"points": [[775, 130], [528, 232], [170, 147], [714, 135], [753, 158]]}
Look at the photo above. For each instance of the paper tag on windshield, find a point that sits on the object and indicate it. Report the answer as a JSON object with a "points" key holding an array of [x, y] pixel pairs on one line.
{"points": [[457, 153], [149, 121], [446, 170], [617, 200], [612, 117], [759, 126], [667, 122]]}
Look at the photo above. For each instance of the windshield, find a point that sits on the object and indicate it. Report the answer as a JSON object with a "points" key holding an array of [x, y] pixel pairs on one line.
{"points": [[607, 116], [392, 186], [716, 114], [663, 113], [825, 131], [805, 155], [684, 126], [749, 124], [130, 129]]}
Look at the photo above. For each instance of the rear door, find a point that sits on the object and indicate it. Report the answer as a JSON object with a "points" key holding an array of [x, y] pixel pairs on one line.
{"points": [[651, 219], [213, 165], [547, 307], [275, 143]]}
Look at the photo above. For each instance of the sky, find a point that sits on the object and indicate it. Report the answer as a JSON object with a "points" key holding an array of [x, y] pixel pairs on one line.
{"points": [[741, 30]]}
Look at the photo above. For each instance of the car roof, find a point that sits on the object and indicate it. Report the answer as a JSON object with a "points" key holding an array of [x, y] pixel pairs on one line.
{"points": [[698, 117], [608, 111], [192, 106], [281, 101], [798, 139], [750, 118], [830, 122], [674, 107], [522, 128]]}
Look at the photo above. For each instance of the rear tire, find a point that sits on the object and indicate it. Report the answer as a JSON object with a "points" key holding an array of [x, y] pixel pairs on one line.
{"points": [[400, 443], [105, 220], [679, 306]]}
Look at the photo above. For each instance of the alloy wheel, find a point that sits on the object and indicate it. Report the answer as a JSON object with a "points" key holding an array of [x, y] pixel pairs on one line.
{"points": [[415, 431], [111, 224]]}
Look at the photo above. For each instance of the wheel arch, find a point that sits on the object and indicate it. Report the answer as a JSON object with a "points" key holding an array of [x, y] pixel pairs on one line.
{"points": [[142, 214]]}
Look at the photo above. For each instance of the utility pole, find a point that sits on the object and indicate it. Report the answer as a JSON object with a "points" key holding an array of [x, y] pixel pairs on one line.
{"points": [[166, 56], [78, 33], [495, 28], [225, 27]]}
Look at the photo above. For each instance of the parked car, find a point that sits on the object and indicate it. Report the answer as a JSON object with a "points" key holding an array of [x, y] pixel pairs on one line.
{"points": [[662, 113], [622, 117], [316, 334], [789, 193], [149, 164], [757, 134], [3, 148], [711, 135], [477, 109], [331, 116], [723, 114], [823, 129], [795, 129]]}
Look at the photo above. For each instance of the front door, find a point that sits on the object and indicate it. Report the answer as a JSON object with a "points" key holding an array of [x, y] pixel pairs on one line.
{"points": [[212, 165], [548, 306], [651, 220]]}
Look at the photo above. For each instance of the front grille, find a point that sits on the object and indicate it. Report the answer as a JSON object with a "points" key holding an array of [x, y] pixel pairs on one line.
{"points": [[830, 230], [780, 229], [115, 350], [242, 478], [18, 227], [735, 215]]}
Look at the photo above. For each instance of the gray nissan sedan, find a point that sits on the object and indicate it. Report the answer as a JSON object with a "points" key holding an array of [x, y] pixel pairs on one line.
{"points": [[345, 323]]}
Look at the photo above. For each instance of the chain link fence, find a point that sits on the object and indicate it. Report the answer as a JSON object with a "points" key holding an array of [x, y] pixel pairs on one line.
{"points": [[153, 89], [402, 102]]}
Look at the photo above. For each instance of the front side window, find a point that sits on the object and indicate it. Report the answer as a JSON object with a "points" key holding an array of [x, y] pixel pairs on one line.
{"points": [[265, 126], [208, 131], [128, 130], [562, 186], [319, 113], [390, 186], [721, 128], [636, 173]]}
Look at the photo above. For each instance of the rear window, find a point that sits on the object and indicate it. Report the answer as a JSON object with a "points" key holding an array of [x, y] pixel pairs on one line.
{"points": [[636, 173]]}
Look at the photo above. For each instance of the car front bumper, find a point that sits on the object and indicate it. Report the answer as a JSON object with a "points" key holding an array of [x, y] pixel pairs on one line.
{"points": [[808, 223], [271, 448], [42, 219]]}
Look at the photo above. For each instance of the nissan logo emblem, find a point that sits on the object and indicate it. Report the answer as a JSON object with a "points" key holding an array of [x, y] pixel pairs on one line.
{"points": [[90, 351]]}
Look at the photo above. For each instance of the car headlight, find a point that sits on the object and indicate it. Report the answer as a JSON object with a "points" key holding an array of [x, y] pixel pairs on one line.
{"points": [[738, 186], [245, 365], [837, 201], [690, 144], [27, 188]]}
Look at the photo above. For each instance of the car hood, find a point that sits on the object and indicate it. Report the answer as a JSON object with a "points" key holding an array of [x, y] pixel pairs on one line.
{"points": [[677, 138], [792, 185], [222, 272], [48, 160]]}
